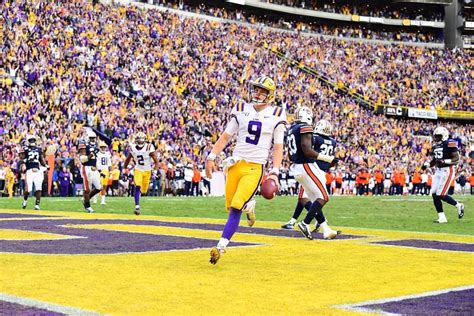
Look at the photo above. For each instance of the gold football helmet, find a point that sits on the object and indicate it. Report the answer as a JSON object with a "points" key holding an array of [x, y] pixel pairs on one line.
{"points": [[265, 83], [140, 138]]}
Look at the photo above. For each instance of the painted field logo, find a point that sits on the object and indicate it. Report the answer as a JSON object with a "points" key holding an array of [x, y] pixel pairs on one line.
{"points": [[96, 241]]}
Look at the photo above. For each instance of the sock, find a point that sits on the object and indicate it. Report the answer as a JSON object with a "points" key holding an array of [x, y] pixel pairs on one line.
{"points": [[449, 200], [232, 223], [87, 204], [298, 210], [320, 217], [307, 206], [102, 199], [223, 242], [137, 195], [437, 203], [315, 208]]}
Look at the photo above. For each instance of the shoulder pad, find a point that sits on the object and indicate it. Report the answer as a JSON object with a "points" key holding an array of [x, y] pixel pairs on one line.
{"points": [[277, 111], [305, 129], [240, 106], [452, 143]]}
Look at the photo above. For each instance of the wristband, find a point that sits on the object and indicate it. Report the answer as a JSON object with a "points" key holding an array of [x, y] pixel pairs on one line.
{"points": [[325, 158], [447, 161], [212, 156], [275, 171]]}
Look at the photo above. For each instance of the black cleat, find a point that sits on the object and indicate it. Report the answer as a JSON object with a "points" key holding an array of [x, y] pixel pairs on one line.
{"points": [[288, 226], [305, 230], [316, 229], [460, 210]]}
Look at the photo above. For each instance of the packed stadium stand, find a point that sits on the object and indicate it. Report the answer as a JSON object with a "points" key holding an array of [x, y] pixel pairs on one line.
{"points": [[175, 75]]}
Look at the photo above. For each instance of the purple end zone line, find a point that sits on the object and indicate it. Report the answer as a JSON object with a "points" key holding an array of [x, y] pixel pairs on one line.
{"points": [[429, 244], [7, 308], [202, 226], [456, 301], [20, 215], [97, 241]]}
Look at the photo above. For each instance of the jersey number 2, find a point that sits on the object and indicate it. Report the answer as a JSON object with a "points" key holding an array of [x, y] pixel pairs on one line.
{"points": [[254, 130]]}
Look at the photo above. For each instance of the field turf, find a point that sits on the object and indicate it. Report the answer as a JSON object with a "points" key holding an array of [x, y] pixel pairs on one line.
{"points": [[389, 259]]}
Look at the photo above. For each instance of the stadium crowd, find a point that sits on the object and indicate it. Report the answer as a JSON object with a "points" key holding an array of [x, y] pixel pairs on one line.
{"points": [[372, 9], [122, 70], [302, 24]]}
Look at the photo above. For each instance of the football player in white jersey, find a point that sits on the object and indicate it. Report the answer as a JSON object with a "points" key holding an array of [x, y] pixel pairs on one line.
{"points": [[104, 165], [142, 154], [257, 125]]}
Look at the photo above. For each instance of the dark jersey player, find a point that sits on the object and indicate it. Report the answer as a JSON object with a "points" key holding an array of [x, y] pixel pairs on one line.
{"points": [[322, 143], [33, 165], [307, 172], [445, 157]]}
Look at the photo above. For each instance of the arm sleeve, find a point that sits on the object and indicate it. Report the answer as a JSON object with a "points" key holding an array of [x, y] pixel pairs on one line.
{"points": [[279, 133], [233, 125]]}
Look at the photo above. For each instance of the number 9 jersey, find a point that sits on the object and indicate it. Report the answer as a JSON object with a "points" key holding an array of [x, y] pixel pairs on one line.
{"points": [[141, 156], [256, 131]]}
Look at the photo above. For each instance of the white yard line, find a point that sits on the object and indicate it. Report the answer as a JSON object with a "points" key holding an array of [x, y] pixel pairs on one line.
{"points": [[45, 305]]}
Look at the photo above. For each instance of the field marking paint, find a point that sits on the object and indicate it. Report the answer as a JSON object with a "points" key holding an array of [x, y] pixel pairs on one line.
{"points": [[126, 253], [45, 305], [359, 307]]}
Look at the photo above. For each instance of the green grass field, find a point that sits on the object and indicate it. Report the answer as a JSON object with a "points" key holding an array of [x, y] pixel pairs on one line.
{"points": [[391, 213]]}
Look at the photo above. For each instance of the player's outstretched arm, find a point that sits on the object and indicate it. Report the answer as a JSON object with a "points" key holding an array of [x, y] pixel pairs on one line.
{"points": [[127, 161], [217, 149], [155, 160]]}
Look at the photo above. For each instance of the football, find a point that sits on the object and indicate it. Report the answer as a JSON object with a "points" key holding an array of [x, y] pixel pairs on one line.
{"points": [[269, 189]]}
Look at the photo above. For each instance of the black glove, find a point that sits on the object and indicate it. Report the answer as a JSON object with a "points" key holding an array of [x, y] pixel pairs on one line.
{"points": [[102, 175], [334, 162]]}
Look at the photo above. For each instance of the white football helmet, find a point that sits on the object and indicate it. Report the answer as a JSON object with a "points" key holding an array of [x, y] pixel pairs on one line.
{"points": [[102, 146], [440, 134], [323, 127], [92, 137], [303, 114], [31, 140]]}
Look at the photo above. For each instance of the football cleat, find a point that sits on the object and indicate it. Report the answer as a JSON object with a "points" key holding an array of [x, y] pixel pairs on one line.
{"points": [[89, 210], [137, 210], [305, 230], [23, 204], [249, 208], [460, 210], [288, 225], [331, 234], [215, 254], [37, 207], [316, 228], [440, 221]]}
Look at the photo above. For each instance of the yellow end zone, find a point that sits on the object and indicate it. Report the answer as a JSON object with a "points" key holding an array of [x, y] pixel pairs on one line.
{"points": [[283, 276]]}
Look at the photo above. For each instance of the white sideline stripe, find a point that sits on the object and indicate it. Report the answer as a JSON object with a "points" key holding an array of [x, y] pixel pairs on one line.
{"points": [[45, 305], [359, 307]]}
